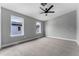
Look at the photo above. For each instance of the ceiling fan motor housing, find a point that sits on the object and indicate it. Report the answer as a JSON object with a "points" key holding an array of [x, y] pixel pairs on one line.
{"points": [[46, 10]]}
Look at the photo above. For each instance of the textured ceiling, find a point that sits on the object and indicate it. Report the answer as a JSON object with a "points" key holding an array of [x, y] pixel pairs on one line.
{"points": [[33, 9]]}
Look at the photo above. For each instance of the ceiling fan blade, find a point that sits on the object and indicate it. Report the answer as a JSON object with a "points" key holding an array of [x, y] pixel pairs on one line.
{"points": [[49, 8], [51, 12], [42, 9]]}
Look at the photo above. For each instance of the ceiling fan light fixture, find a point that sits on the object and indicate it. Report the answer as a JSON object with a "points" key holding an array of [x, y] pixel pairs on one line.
{"points": [[43, 4]]}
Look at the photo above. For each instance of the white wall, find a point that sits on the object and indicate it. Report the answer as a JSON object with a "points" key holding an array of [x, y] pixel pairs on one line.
{"points": [[78, 24], [0, 26], [63, 26]]}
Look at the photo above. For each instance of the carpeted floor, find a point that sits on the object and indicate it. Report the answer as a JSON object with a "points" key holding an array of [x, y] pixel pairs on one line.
{"points": [[43, 47]]}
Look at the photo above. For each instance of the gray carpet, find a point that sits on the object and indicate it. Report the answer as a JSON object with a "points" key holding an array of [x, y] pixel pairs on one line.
{"points": [[43, 47]]}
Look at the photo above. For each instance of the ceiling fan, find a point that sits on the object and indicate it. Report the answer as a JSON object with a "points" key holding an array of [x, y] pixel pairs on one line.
{"points": [[46, 10]]}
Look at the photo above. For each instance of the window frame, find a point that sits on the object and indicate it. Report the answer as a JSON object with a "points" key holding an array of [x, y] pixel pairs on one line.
{"points": [[19, 19], [39, 30]]}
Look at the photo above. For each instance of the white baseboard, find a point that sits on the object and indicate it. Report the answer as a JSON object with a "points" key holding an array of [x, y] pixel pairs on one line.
{"points": [[63, 38], [18, 42], [77, 42], [38, 37]]}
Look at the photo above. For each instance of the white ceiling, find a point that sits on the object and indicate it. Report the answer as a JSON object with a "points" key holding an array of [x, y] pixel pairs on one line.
{"points": [[33, 9]]}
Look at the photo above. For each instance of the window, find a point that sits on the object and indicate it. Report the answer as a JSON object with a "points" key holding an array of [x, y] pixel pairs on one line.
{"points": [[17, 26], [38, 27]]}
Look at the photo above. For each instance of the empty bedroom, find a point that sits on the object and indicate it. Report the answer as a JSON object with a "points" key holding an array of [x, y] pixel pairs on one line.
{"points": [[39, 29]]}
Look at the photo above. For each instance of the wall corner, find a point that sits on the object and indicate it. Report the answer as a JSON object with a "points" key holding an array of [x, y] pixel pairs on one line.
{"points": [[0, 27]]}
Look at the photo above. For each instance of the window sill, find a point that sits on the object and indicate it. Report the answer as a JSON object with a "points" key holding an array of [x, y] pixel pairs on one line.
{"points": [[17, 35]]}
